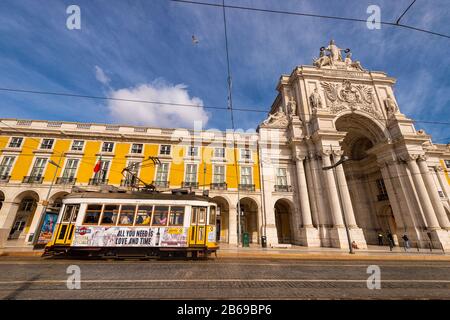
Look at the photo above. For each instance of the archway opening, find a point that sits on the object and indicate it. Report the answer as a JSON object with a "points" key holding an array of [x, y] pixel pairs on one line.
{"points": [[27, 204], [249, 219], [283, 216], [222, 219], [364, 178]]}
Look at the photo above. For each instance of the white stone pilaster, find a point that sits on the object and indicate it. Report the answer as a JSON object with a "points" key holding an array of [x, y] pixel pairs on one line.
{"points": [[433, 194]]}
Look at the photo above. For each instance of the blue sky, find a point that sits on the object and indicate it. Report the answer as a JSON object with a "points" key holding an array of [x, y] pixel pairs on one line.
{"points": [[143, 49]]}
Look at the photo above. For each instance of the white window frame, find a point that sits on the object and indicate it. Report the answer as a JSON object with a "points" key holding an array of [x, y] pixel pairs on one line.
{"points": [[286, 176], [186, 172], [188, 151], [156, 172], [83, 143], [47, 139], [165, 145], [113, 146], [224, 173], [105, 177], [11, 141], [220, 156], [10, 166], [44, 168], [241, 175], [67, 168], [250, 153], [137, 144]]}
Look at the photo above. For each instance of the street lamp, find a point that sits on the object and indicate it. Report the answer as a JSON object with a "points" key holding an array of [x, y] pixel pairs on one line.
{"points": [[37, 233], [333, 167]]}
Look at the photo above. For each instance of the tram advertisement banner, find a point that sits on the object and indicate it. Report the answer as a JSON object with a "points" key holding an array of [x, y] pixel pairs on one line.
{"points": [[97, 236], [45, 236]]}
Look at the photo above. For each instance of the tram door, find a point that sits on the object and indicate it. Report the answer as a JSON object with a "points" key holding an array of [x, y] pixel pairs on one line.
{"points": [[198, 226], [64, 233]]}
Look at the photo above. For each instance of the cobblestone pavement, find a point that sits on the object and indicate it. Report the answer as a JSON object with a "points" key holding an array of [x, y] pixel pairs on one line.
{"points": [[35, 278]]}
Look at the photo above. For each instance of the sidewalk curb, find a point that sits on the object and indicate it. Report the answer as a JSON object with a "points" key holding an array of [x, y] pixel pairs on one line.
{"points": [[331, 256]]}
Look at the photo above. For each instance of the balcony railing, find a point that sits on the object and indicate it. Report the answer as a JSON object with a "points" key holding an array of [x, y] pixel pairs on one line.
{"points": [[33, 179], [66, 180], [283, 188], [161, 184], [218, 186], [187, 184], [130, 183], [4, 178], [247, 187], [98, 182], [382, 197]]}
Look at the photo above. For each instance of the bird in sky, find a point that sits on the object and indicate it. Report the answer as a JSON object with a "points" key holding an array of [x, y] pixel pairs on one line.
{"points": [[194, 40]]}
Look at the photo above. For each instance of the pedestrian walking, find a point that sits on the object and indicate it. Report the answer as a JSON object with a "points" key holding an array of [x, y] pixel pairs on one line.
{"points": [[406, 242], [380, 239], [390, 240]]}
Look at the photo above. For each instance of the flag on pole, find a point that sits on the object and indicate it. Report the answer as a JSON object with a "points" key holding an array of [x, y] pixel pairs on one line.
{"points": [[98, 166]]}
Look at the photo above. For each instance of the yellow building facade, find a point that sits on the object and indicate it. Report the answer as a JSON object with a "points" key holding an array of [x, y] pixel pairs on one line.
{"points": [[41, 161]]}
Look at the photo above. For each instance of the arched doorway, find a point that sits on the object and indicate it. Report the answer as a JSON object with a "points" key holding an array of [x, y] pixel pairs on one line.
{"points": [[368, 192], [222, 219], [26, 209], [283, 216], [249, 219]]}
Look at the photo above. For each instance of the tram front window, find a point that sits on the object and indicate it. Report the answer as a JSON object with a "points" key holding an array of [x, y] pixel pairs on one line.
{"points": [[212, 216], [160, 216], [92, 215], [144, 215], [110, 214], [176, 216]]}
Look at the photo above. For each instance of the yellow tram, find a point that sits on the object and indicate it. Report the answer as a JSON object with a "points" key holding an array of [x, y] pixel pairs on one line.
{"points": [[140, 224]]}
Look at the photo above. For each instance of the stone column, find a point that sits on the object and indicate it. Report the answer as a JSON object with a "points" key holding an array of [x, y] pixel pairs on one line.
{"points": [[232, 224], [433, 194], [318, 190], [312, 194], [303, 193], [332, 192], [425, 201], [38, 215], [345, 196]]}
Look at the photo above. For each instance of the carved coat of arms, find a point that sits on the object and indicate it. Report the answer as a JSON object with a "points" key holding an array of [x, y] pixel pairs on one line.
{"points": [[348, 96]]}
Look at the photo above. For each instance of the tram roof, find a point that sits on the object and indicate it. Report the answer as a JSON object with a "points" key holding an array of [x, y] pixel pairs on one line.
{"points": [[137, 195]]}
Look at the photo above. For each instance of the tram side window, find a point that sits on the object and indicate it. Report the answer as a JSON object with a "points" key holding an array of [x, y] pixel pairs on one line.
{"points": [[110, 214], [127, 215], [212, 216], [176, 217], [144, 215], [92, 215], [160, 216]]}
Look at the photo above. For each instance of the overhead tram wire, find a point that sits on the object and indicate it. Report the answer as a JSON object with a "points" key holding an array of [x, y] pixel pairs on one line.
{"points": [[394, 24], [230, 106], [401, 16]]}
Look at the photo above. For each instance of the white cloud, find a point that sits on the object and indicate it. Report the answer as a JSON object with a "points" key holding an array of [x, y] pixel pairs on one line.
{"points": [[158, 115], [101, 76]]}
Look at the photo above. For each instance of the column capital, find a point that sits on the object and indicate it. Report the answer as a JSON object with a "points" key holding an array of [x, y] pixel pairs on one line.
{"points": [[409, 157], [300, 157], [421, 157], [438, 168]]}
